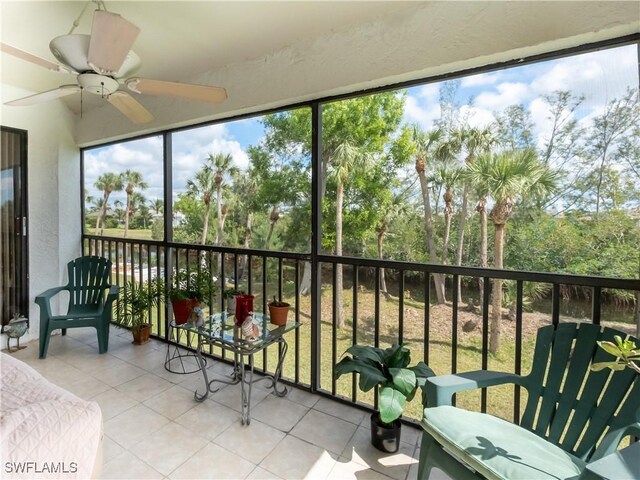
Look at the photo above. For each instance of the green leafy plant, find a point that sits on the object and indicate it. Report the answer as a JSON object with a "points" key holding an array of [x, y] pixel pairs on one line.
{"points": [[135, 303], [232, 292], [184, 285], [625, 351], [389, 369]]}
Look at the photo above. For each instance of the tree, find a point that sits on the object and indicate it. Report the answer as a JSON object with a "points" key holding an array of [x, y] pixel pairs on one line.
{"points": [[346, 157], [514, 128], [133, 180], [473, 141], [201, 187], [157, 206], [606, 142], [222, 165], [367, 123], [511, 176], [107, 183], [426, 149], [447, 176], [245, 185]]}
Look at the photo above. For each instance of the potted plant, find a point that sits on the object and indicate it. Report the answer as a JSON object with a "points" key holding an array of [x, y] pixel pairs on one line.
{"points": [[397, 384], [230, 297], [626, 353], [186, 290], [278, 312], [134, 305]]}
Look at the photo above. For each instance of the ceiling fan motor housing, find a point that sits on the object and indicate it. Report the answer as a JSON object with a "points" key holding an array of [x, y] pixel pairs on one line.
{"points": [[98, 84]]}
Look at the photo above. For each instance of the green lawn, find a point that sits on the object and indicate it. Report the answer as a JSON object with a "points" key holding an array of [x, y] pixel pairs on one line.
{"points": [[139, 234]]}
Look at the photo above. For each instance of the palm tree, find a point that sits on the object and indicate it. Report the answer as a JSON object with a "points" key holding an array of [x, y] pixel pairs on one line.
{"points": [[222, 165], [426, 147], [138, 204], [133, 180], [118, 211], [511, 176], [345, 158], [246, 185], [478, 175], [446, 176], [472, 141], [157, 206], [107, 183], [202, 186]]}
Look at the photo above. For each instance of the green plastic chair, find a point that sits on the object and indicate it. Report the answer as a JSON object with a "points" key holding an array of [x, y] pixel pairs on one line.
{"points": [[573, 416], [88, 307]]}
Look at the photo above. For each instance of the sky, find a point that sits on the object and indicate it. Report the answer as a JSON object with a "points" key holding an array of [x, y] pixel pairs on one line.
{"points": [[600, 76]]}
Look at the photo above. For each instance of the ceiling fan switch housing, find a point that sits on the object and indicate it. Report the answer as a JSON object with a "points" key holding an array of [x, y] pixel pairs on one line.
{"points": [[98, 84]]}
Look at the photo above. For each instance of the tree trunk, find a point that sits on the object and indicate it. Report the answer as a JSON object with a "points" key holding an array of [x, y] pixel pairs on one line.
{"points": [[225, 212], [103, 215], [273, 219], [460, 242], [496, 310], [98, 217], [247, 243], [205, 227], [482, 210], [305, 283], [428, 226], [219, 212], [445, 240], [338, 299], [126, 216]]}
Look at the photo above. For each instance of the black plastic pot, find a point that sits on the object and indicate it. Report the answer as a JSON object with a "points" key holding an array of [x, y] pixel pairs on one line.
{"points": [[385, 437]]}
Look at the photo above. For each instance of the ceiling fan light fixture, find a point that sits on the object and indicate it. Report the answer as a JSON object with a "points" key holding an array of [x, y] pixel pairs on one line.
{"points": [[71, 50], [98, 84]]}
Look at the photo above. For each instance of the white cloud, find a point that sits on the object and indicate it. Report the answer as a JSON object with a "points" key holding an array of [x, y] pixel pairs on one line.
{"points": [[539, 110], [508, 93], [192, 147], [476, 117], [480, 80], [144, 156], [599, 76], [422, 113]]}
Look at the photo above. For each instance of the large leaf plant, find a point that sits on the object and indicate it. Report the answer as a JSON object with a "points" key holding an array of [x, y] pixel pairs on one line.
{"points": [[625, 351], [389, 369]]}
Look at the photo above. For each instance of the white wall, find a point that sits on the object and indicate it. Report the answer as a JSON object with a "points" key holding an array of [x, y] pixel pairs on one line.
{"points": [[54, 193]]}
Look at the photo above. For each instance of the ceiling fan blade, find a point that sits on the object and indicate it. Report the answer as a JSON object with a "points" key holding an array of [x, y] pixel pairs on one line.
{"points": [[62, 91], [130, 107], [21, 54], [111, 39], [190, 91]]}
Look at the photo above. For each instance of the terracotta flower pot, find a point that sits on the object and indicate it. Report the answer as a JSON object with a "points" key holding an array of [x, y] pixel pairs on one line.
{"points": [[278, 314], [182, 309], [141, 335]]}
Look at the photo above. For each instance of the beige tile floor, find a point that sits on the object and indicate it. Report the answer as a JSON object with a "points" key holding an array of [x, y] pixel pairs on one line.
{"points": [[155, 429]]}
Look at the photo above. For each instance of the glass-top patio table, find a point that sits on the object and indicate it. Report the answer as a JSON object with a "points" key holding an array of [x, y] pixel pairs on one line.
{"points": [[220, 330]]}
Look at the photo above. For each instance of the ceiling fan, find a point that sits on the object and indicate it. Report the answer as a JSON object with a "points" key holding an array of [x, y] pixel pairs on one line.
{"points": [[102, 62]]}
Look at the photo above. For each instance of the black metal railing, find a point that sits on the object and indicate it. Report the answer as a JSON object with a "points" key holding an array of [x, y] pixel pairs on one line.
{"points": [[450, 337]]}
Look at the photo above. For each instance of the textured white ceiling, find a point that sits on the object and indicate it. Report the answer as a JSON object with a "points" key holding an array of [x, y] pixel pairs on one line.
{"points": [[179, 39], [269, 54]]}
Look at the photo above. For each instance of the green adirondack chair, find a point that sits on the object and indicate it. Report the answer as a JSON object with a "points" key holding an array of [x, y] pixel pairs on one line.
{"points": [[573, 416], [89, 302]]}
